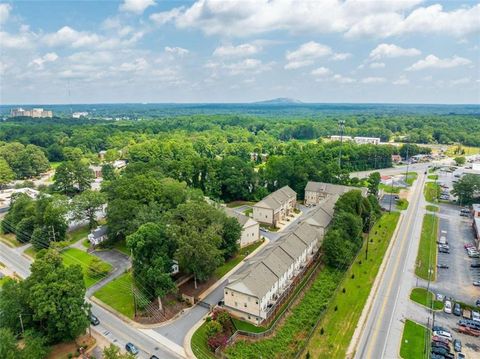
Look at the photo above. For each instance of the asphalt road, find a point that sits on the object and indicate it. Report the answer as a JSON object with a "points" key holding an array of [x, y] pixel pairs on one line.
{"points": [[112, 328], [381, 335]]}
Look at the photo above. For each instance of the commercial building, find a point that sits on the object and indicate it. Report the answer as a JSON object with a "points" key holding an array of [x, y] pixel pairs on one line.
{"points": [[275, 208], [341, 138], [366, 140], [34, 113], [317, 191], [79, 114], [250, 227]]}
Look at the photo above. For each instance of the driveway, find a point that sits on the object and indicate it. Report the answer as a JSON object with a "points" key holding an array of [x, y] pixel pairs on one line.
{"points": [[120, 263]]}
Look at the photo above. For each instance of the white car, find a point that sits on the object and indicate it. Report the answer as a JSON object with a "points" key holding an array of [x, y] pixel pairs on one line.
{"points": [[476, 316], [443, 334], [448, 307]]}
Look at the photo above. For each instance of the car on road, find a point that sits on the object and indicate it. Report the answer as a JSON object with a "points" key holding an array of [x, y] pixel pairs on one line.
{"points": [[460, 356], [457, 345], [94, 320], [154, 357], [132, 349], [475, 265], [443, 250], [448, 307], [463, 214], [441, 265], [457, 310], [476, 283], [443, 334]]}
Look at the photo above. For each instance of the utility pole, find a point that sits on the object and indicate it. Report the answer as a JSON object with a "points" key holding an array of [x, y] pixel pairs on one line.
{"points": [[368, 233], [132, 289], [341, 124]]}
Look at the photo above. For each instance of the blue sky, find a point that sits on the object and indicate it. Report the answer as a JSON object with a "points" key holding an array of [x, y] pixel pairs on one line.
{"points": [[408, 51]]}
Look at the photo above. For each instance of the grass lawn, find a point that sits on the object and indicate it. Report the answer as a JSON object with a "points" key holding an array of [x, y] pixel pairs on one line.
{"points": [[239, 203], [410, 177], [421, 296], [468, 151], [431, 191], [31, 252], [427, 251], [414, 340], [242, 253], [248, 212], [10, 240], [269, 227], [432, 208], [199, 343], [433, 177], [402, 204], [54, 165], [86, 243], [338, 325], [77, 234], [246, 326], [117, 295], [76, 256], [122, 247], [389, 189]]}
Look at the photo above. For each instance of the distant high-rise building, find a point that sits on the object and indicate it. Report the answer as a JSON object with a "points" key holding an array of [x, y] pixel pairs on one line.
{"points": [[34, 113]]}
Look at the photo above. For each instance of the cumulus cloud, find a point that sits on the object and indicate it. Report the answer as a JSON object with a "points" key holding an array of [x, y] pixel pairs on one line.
{"points": [[161, 18], [377, 65], [136, 6], [68, 36], [321, 72], [402, 80], [433, 62], [40, 61], [179, 51], [247, 66], [4, 12], [342, 79], [237, 51], [138, 64], [391, 50], [373, 80], [352, 18], [306, 54], [341, 56], [17, 41]]}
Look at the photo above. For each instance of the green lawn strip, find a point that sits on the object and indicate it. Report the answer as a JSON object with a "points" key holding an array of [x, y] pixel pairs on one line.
{"points": [[425, 298], [246, 326], [77, 234], [117, 295], [122, 247], [402, 204], [431, 191], [54, 165], [432, 208], [86, 243], [410, 177], [414, 339], [230, 264], [10, 240], [199, 344], [433, 177], [389, 189], [427, 250], [76, 256], [239, 203], [31, 252], [333, 334]]}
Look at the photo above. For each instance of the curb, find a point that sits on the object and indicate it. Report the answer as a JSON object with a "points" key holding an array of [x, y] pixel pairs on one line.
{"points": [[369, 304], [187, 341]]}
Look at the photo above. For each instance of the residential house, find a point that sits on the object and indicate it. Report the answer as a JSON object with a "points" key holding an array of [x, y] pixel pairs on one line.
{"points": [[321, 217], [250, 227], [119, 164], [275, 208], [253, 294], [98, 235], [97, 170], [317, 191]]}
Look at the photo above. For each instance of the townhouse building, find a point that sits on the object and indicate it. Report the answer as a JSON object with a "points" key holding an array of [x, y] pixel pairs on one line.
{"points": [[318, 191], [275, 207]]}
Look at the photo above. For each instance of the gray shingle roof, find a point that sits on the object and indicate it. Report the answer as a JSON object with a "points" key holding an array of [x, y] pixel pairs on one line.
{"points": [[331, 188], [241, 218], [323, 214], [276, 199], [99, 232]]}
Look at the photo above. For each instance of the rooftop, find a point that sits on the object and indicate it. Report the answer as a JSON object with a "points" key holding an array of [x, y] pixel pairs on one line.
{"points": [[276, 199], [331, 188]]}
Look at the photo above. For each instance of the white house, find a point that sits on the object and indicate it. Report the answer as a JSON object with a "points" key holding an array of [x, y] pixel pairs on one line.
{"points": [[317, 191], [276, 206], [250, 227], [98, 235]]}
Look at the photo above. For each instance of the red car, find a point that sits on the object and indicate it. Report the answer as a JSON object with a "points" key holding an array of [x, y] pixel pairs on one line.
{"points": [[440, 340], [468, 245]]}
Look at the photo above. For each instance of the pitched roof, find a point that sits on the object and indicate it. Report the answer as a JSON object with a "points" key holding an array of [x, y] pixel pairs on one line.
{"points": [[276, 199], [323, 214], [241, 218], [99, 232], [331, 188]]}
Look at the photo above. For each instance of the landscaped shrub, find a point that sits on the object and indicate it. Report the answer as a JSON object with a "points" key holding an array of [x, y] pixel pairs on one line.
{"points": [[218, 340], [213, 328], [224, 318]]}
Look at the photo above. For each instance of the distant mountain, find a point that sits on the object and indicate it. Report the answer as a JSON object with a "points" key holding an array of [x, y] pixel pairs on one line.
{"points": [[279, 101]]}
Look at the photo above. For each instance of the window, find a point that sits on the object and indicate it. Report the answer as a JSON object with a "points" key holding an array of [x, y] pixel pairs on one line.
{"points": [[236, 304], [226, 292], [256, 302], [232, 294], [249, 317], [245, 305]]}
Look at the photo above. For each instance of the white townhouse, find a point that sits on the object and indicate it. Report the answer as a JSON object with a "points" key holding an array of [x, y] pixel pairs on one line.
{"points": [[253, 294], [250, 227], [276, 206], [317, 191]]}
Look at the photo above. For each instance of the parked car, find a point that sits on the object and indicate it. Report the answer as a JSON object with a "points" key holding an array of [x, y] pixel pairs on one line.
{"points": [[457, 345], [443, 250], [439, 297], [441, 340], [475, 316], [441, 265], [443, 334], [221, 303], [463, 214], [475, 265], [94, 320], [460, 356], [132, 349], [457, 310], [441, 351], [437, 328], [476, 283], [477, 302], [448, 307], [468, 245], [441, 345], [154, 357]]}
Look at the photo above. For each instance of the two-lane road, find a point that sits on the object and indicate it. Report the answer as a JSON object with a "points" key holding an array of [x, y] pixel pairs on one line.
{"points": [[382, 333]]}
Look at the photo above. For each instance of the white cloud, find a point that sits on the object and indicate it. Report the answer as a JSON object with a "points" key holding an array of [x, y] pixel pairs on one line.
{"points": [[179, 51], [391, 50], [373, 80], [342, 79], [4, 12], [402, 80], [242, 18], [161, 18], [306, 54], [461, 81], [433, 62], [40, 61], [3, 67], [237, 51], [377, 65], [321, 72], [247, 66], [138, 64], [68, 36], [136, 6], [18, 41], [341, 56]]}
